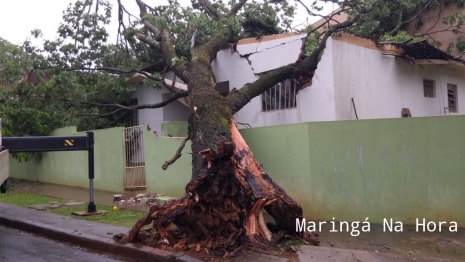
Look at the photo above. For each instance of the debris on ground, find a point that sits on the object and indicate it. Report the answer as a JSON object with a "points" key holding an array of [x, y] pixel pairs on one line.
{"points": [[146, 199]]}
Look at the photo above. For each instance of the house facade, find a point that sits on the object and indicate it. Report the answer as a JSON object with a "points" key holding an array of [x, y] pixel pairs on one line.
{"points": [[355, 79]]}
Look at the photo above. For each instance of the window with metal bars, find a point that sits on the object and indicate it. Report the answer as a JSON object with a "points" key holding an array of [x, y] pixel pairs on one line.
{"points": [[452, 98], [428, 88], [280, 96]]}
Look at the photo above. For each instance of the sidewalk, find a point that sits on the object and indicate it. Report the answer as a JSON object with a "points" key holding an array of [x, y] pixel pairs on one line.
{"points": [[326, 254], [97, 236], [373, 246], [100, 237], [80, 232]]}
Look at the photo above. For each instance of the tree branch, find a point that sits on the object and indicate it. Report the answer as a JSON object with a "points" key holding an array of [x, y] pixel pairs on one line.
{"points": [[109, 69], [326, 17], [163, 40], [167, 49], [147, 24], [135, 107], [116, 120], [177, 155], [236, 8], [439, 16], [450, 28], [149, 41], [212, 11], [330, 18], [239, 99], [401, 23], [214, 45], [194, 35], [254, 22], [102, 115], [166, 46], [460, 56]]}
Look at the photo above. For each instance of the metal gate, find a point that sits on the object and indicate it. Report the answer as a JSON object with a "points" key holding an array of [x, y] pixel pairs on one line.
{"points": [[134, 176]]}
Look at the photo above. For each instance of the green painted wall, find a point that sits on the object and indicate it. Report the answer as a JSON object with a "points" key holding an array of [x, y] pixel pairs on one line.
{"points": [[170, 182], [391, 168], [70, 168], [174, 128]]}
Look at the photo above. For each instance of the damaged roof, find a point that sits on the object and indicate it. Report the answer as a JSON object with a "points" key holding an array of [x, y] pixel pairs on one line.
{"points": [[425, 50], [420, 52], [257, 48], [270, 52]]}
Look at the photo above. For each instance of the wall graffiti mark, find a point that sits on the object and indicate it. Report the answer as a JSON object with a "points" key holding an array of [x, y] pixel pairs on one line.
{"points": [[363, 179]]}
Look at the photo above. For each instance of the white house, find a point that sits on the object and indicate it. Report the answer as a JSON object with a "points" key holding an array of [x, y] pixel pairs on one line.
{"points": [[356, 79]]}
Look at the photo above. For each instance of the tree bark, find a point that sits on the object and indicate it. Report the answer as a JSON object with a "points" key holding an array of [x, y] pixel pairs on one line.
{"points": [[223, 206]]}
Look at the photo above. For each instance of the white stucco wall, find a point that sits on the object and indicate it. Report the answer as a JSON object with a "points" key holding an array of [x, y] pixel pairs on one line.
{"points": [[314, 103], [154, 117], [151, 117], [382, 85]]}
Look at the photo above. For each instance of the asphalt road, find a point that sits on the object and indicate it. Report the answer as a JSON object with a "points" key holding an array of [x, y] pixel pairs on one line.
{"points": [[16, 246]]}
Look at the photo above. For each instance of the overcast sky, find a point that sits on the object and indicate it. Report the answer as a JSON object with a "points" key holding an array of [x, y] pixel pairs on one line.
{"points": [[19, 17]]}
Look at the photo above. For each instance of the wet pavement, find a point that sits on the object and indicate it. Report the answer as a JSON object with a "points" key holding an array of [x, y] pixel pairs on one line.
{"points": [[410, 245], [19, 246]]}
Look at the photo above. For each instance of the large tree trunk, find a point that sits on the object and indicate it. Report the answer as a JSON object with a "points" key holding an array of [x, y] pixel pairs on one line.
{"points": [[223, 206]]}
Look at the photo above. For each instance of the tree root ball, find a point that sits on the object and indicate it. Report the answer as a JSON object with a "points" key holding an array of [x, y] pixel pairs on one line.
{"points": [[222, 211]]}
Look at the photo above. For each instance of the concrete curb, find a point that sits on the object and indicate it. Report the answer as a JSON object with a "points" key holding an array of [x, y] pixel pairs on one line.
{"points": [[99, 243]]}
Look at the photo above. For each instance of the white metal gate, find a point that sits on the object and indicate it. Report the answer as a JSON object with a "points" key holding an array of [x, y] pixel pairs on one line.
{"points": [[134, 177]]}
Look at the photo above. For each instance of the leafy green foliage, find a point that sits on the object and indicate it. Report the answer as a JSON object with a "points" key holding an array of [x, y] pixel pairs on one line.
{"points": [[43, 88], [388, 21], [460, 44], [400, 36]]}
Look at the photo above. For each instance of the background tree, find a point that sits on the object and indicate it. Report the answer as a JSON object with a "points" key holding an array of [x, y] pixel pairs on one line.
{"points": [[45, 89]]}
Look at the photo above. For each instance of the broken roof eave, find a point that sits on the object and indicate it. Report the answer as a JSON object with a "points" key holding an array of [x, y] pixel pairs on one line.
{"points": [[437, 62], [453, 65], [139, 78]]}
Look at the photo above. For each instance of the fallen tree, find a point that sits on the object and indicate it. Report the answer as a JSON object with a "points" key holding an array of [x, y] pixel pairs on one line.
{"points": [[224, 202], [223, 207], [229, 191]]}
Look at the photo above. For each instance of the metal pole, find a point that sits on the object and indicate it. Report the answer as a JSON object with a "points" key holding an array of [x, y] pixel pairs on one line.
{"points": [[90, 149], [353, 103]]}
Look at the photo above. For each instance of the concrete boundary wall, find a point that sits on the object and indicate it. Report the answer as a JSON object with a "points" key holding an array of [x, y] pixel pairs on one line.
{"points": [[70, 167], [389, 168]]}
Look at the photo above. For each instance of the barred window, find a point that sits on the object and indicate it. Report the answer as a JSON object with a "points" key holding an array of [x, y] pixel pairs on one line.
{"points": [[452, 97], [280, 96], [428, 88]]}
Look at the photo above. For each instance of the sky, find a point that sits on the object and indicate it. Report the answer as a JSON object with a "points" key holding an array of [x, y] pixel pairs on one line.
{"points": [[19, 17]]}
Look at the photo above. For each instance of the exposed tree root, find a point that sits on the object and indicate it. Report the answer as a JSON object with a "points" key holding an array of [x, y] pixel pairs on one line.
{"points": [[222, 211]]}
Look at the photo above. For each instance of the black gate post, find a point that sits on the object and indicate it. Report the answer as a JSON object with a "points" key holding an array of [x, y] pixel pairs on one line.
{"points": [[91, 208]]}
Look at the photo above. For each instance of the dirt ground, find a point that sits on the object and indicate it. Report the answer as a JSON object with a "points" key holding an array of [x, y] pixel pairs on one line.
{"points": [[443, 245]]}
